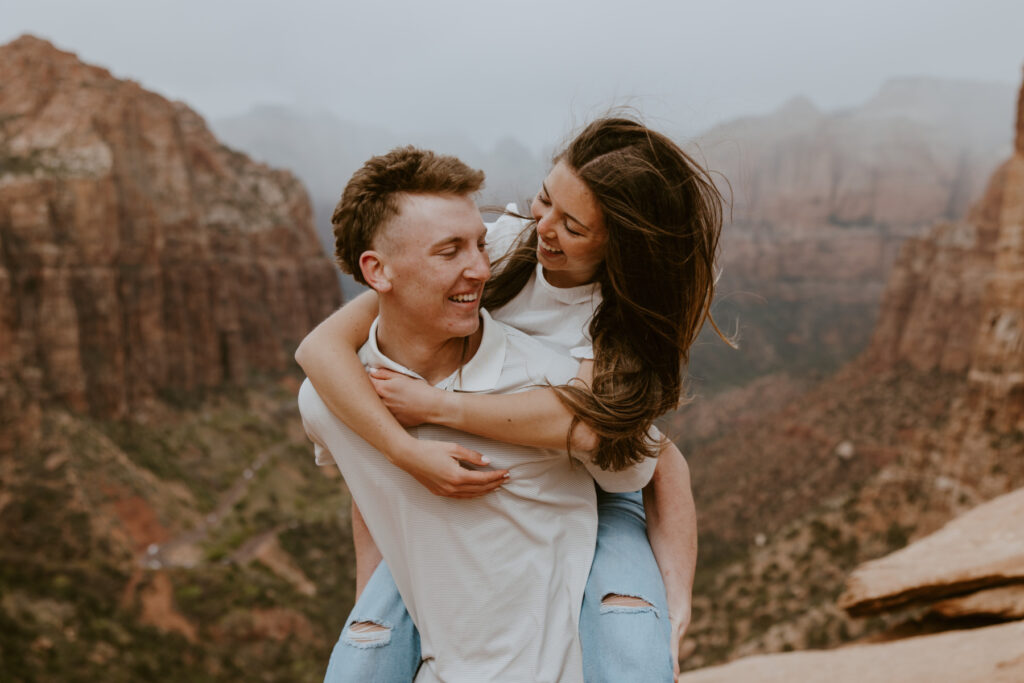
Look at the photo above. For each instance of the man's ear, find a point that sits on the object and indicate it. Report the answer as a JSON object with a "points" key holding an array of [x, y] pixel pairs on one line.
{"points": [[375, 272]]}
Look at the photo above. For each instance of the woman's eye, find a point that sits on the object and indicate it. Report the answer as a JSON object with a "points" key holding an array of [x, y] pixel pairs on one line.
{"points": [[571, 231], [543, 200]]}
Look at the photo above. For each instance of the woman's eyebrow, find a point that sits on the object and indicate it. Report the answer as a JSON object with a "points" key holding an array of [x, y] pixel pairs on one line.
{"points": [[568, 215]]}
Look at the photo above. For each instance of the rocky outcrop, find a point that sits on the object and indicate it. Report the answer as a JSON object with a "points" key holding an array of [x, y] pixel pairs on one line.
{"points": [[137, 254], [956, 303], [987, 655], [981, 549]]}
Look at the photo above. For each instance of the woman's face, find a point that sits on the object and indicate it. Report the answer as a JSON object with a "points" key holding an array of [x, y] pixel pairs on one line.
{"points": [[570, 228]]}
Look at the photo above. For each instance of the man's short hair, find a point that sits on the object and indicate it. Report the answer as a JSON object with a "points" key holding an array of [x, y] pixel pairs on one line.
{"points": [[371, 197]]}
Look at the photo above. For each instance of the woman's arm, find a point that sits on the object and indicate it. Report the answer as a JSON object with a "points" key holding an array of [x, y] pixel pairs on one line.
{"points": [[328, 356], [672, 530], [528, 418]]}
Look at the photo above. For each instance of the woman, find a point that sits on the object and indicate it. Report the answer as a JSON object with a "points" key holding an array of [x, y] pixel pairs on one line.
{"points": [[617, 267]]}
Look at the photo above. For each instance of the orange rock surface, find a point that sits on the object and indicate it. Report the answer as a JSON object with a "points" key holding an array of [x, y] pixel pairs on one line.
{"points": [[137, 253]]}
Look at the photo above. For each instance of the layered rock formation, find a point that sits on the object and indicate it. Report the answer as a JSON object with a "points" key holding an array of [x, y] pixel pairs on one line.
{"points": [[956, 304], [137, 254]]}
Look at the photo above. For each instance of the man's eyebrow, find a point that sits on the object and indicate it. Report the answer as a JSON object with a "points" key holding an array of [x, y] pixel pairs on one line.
{"points": [[453, 239], [568, 215]]}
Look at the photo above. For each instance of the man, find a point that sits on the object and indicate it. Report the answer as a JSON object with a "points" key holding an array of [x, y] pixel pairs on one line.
{"points": [[494, 584]]}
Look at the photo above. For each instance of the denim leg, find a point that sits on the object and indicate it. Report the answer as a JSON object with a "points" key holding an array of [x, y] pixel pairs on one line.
{"points": [[623, 644], [386, 656]]}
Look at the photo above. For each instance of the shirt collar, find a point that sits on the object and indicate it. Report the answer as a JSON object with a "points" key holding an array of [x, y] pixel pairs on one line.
{"points": [[567, 295], [480, 373]]}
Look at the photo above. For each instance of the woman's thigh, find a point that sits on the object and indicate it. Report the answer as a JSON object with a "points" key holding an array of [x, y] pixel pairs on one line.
{"points": [[379, 643], [624, 625]]}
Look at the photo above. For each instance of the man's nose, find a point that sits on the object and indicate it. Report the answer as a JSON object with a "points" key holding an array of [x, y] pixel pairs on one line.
{"points": [[479, 268]]}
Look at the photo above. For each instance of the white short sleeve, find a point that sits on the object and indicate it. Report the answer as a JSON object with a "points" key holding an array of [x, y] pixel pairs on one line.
{"points": [[582, 352], [633, 478], [502, 233]]}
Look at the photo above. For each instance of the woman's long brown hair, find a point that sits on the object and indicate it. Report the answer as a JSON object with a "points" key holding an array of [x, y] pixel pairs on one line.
{"points": [[663, 215]]}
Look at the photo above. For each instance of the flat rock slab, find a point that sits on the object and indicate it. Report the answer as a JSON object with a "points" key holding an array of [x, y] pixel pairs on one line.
{"points": [[994, 654], [980, 549], [1006, 602]]}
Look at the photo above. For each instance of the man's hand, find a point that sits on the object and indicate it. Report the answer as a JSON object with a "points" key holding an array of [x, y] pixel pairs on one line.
{"points": [[412, 401], [436, 465]]}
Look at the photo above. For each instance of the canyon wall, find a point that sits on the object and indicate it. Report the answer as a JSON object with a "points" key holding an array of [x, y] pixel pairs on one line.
{"points": [[137, 253]]}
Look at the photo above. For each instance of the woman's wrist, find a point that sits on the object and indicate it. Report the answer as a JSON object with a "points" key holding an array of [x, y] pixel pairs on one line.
{"points": [[446, 410], [402, 449]]}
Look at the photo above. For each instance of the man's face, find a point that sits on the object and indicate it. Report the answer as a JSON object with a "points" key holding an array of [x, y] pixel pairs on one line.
{"points": [[436, 263]]}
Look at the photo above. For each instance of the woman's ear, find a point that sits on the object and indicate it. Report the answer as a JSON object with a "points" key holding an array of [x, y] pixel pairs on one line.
{"points": [[375, 271]]}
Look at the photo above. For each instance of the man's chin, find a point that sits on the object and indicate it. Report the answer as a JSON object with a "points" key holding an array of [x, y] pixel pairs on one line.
{"points": [[467, 327]]}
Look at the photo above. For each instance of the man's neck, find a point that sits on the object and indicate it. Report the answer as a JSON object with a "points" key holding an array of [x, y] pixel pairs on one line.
{"points": [[431, 359]]}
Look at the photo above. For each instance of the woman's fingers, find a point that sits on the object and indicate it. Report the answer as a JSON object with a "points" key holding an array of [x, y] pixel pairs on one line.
{"points": [[470, 456], [384, 373]]}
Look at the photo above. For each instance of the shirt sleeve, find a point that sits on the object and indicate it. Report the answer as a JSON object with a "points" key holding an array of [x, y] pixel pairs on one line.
{"points": [[502, 233], [633, 478], [582, 352], [311, 407]]}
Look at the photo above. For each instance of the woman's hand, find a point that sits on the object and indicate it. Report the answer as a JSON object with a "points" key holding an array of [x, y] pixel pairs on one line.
{"points": [[436, 465], [680, 622], [412, 401]]}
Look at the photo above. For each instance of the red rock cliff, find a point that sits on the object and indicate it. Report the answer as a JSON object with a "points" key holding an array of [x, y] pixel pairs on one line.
{"points": [[136, 252], [956, 303], [956, 299]]}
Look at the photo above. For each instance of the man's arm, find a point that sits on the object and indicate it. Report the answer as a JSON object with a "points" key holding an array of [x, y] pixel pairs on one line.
{"points": [[367, 554], [672, 530]]}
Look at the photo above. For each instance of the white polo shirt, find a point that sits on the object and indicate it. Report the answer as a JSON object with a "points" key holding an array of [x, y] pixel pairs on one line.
{"points": [[494, 584]]}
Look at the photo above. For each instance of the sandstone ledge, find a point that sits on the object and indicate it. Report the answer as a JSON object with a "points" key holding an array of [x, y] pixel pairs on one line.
{"points": [[987, 655], [980, 549]]}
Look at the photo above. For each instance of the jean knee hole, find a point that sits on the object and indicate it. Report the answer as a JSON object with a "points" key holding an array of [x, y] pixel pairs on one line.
{"points": [[366, 634], [614, 603]]}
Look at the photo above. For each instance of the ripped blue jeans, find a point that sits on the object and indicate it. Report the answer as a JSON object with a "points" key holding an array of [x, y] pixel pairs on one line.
{"points": [[620, 643]]}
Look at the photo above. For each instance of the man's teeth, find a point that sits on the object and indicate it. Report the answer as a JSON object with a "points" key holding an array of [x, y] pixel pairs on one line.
{"points": [[463, 298], [550, 248]]}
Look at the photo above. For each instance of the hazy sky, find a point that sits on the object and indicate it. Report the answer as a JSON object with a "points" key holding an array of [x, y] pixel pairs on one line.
{"points": [[527, 68]]}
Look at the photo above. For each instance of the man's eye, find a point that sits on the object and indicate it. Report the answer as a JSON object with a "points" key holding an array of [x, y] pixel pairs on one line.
{"points": [[448, 253]]}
